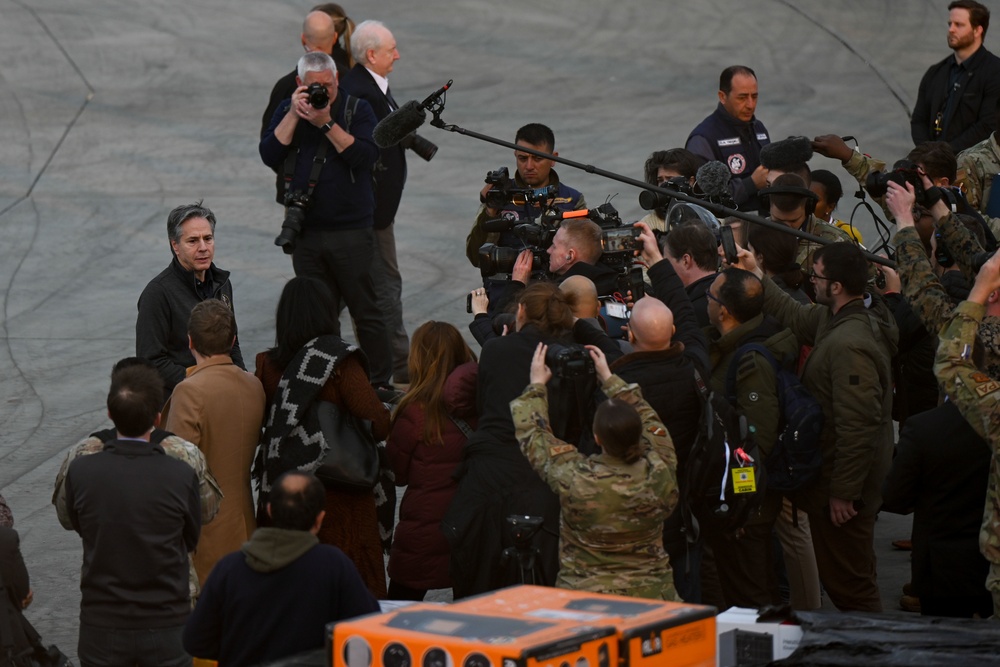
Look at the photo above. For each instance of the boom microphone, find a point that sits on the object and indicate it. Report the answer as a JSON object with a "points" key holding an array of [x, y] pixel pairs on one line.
{"points": [[397, 125], [786, 153], [713, 179], [406, 119]]}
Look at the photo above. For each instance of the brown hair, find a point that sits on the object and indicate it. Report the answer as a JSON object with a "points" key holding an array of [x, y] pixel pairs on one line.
{"points": [[979, 14], [212, 328], [547, 308], [436, 349], [342, 23], [585, 237], [618, 427], [134, 399]]}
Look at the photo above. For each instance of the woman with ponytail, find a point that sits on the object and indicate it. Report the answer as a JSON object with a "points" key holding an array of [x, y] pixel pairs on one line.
{"points": [[429, 429], [496, 480], [613, 503]]}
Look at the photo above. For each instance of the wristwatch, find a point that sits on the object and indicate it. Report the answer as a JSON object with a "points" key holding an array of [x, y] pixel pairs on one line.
{"points": [[326, 126]]}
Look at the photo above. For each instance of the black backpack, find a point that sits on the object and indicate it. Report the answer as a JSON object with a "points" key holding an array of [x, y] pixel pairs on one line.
{"points": [[723, 477], [796, 459]]}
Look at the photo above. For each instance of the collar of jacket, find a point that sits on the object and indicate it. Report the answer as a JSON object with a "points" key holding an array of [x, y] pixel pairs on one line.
{"points": [[219, 277], [735, 122], [553, 179], [676, 350], [217, 360], [730, 341], [133, 447]]}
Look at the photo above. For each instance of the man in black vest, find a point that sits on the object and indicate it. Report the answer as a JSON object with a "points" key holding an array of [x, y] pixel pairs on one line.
{"points": [[375, 52], [733, 135]]}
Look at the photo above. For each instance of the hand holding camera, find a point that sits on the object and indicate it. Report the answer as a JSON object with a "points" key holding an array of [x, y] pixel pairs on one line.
{"points": [[312, 104]]}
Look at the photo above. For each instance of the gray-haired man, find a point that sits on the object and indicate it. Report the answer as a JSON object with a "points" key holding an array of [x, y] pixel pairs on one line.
{"points": [[166, 303]]}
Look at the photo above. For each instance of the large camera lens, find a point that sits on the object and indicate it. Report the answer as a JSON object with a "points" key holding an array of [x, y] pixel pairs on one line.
{"points": [[422, 147], [291, 227], [318, 97]]}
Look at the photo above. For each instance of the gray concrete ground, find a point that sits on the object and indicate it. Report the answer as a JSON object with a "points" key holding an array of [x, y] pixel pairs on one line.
{"points": [[113, 112]]}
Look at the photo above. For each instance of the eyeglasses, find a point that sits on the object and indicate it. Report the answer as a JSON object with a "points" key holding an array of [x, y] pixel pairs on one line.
{"points": [[714, 298], [815, 276]]}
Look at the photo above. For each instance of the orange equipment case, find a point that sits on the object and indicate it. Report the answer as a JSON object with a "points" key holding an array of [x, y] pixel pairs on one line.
{"points": [[650, 632], [428, 635]]}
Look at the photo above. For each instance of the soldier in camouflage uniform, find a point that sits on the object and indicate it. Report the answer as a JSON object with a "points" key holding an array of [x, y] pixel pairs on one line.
{"points": [[922, 288], [612, 507], [977, 396], [209, 490], [977, 166]]}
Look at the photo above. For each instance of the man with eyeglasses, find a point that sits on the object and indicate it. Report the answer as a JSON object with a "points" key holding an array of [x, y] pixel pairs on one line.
{"points": [[849, 372]]}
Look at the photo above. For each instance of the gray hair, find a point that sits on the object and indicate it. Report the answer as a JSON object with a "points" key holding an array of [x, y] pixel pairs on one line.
{"points": [[367, 35], [185, 212], [316, 61]]}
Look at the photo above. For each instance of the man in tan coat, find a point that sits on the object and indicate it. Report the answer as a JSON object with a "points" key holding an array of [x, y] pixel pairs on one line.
{"points": [[220, 408]]}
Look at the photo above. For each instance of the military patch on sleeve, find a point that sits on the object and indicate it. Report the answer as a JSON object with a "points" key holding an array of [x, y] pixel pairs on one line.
{"points": [[987, 388], [980, 377], [556, 450], [658, 431]]}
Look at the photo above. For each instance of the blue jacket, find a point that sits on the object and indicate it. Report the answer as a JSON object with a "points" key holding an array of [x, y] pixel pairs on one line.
{"points": [[344, 197], [736, 144]]}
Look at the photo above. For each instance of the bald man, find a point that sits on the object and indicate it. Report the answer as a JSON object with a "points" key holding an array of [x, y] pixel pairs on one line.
{"points": [[668, 344], [319, 33], [583, 296]]}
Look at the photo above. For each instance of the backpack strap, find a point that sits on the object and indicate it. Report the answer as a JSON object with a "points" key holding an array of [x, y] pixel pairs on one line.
{"points": [[736, 362]]}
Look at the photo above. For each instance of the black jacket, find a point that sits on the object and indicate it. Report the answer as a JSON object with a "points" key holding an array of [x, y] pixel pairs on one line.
{"points": [[940, 474], [696, 291], [165, 307], [736, 144], [390, 171], [495, 480], [974, 114], [14, 575], [139, 514]]}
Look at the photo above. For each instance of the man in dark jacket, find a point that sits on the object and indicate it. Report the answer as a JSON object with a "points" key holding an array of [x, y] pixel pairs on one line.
{"points": [[336, 243], [375, 54], [957, 98], [693, 252], [735, 308], [733, 135], [138, 513], [275, 596], [165, 304], [854, 337], [668, 344]]}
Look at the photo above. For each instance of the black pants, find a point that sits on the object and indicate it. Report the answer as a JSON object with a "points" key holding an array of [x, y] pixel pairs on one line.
{"points": [[343, 260], [113, 647], [401, 592]]}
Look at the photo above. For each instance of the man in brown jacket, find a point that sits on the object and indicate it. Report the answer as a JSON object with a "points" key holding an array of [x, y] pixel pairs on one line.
{"points": [[220, 408]]}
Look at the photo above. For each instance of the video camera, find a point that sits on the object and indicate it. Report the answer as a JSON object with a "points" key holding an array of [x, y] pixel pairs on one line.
{"points": [[650, 201], [505, 191]]}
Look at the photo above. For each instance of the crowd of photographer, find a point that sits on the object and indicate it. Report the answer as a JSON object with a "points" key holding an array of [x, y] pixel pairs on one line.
{"points": [[696, 406]]}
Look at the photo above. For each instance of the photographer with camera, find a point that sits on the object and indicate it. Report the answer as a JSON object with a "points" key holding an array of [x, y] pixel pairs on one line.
{"points": [[673, 168], [613, 503], [495, 479], [320, 144], [504, 197]]}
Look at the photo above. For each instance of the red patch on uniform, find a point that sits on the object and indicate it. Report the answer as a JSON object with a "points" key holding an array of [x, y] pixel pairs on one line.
{"points": [[737, 164]]}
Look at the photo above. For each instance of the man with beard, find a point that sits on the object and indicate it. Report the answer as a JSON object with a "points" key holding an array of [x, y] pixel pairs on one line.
{"points": [[957, 99]]}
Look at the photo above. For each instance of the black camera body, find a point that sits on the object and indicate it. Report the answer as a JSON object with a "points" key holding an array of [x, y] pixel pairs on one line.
{"points": [[318, 95], [523, 528], [496, 260], [903, 172], [296, 203], [657, 201], [569, 362]]}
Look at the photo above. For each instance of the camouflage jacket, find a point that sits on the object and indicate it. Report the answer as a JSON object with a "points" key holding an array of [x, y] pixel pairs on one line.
{"points": [[209, 489], [926, 294], [611, 525], [977, 397], [977, 165]]}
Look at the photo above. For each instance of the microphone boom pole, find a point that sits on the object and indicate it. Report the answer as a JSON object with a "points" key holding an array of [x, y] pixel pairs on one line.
{"points": [[717, 209]]}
